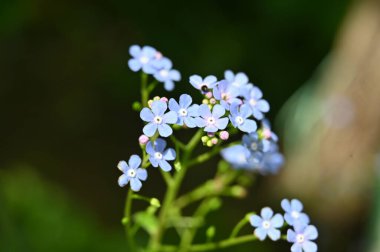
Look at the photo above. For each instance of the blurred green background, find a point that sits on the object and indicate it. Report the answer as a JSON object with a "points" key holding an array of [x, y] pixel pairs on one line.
{"points": [[66, 95]]}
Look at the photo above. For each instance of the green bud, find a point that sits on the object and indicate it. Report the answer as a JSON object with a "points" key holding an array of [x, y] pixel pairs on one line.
{"points": [[238, 191], [215, 203], [210, 232], [155, 202], [205, 101], [177, 166], [124, 221], [156, 98], [136, 106], [209, 143], [204, 139]]}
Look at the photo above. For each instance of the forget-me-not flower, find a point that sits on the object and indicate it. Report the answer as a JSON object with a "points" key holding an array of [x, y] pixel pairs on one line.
{"points": [[165, 73], [186, 113], [203, 84], [236, 81], [158, 155], [293, 212], [157, 119], [211, 121], [236, 155], [142, 59], [239, 118], [302, 236], [255, 143], [267, 224], [253, 97], [132, 173], [226, 94]]}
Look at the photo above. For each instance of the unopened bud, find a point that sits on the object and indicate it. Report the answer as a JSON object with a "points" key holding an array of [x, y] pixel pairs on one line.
{"points": [[209, 143], [205, 101], [150, 103], [156, 98], [208, 95], [155, 202], [204, 139], [212, 101], [214, 140], [143, 139], [164, 99], [224, 135]]}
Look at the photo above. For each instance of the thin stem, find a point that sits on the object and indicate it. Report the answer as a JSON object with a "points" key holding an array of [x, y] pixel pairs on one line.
{"points": [[177, 142], [144, 90], [239, 226], [205, 156], [166, 175], [128, 219]]}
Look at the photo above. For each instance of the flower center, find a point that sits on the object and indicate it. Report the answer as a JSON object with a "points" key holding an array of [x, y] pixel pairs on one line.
{"points": [[239, 120], [144, 59], [225, 97], [157, 120], [254, 146], [164, 73], [211, 120], [300, 238], [158, 155], [252, 102], [183, 112], [204, 87], [266, 224], [295, 214], [131, 173]]}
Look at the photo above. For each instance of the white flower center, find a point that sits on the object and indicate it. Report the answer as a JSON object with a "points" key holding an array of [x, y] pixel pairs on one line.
{"points": [[254, 146], [144, 59], [300, 238], [158, 155], [211, 120], [164, 73], [239, 120], [131, 173], [182, 112], [295, 214], [157, 120], [225, 97], [252, 102], [266, 224]]}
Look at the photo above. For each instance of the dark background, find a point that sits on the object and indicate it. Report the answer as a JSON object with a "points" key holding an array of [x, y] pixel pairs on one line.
{"points": [[66, 95]]}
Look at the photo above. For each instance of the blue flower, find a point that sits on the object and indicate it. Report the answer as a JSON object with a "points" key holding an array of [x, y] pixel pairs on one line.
{"points": [[226, 94], [302, 237], [165, 73], [142, 59], [211, 121], [132, 173], [271, 163], [158, 120], [253, 142], [239, 118], [203, 84], [253, 97], [237, 82], [158, 156], [236, 155], [293, 212], [186, 113], [267, 224]]}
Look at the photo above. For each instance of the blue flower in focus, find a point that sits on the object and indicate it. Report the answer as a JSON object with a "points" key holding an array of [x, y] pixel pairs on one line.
{"points": [[302, 237], [203, 84], [293, 212], [236, 155], [132, 173], [211, 121], [158, 120], [226, 94], [158, 156], [236, 81], [186, 113], [142, 59], [267, 224], [239, 118], [253, 97], [165, 73]]}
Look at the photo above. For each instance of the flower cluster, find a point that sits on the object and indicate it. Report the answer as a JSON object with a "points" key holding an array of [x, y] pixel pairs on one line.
{"points": [[151, 61], [301, 234]]}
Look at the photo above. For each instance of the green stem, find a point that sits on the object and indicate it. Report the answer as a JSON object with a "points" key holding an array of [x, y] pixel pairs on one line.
{"points": [[206, 156], [213, 245], [144, 90], [128, 219], [239, 226]]}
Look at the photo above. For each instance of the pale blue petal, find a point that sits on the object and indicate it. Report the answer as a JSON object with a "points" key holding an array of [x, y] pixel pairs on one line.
{"points": [[304, 218], [218, 111], [134, 51], [266, 213], [263, 106], [221, 123], [248, 126], [296, 205], [261, 233], [153, 161], [169, 85], [245, 110], [311, 232], [149, 69], [309, 246], [165, 130], [122, 166], [169, 154], [229, 75], [150, 129], [241, 78], [255, 220], [201, 123], [190, 122], [134, 161], [204, 111], [149, 148], [291, 236], [165, 166], [171, 117], [149, 51], [142, 174], [289, 219], [210, 80], [175, 75], [211, 128], [159, 108], [146, 115], [234, 109], [134, 65], [173, 105], [185, 100], [256, 93], [160, 145], [257, 114], [123, 180], [195, 81], [296, 248], [274, 234], [193, 110], [135, 184], [285, 204], [277, 221]]}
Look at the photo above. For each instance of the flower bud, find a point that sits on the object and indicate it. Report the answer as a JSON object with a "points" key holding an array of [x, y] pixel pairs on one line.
{"points": [[224, 135], [150, 103], [212, 101], [164, 99], [143, 139], [204, 139], [155, 202], [209, 143], [156, 98], [208, 95], [205, 101], [214, 140]]}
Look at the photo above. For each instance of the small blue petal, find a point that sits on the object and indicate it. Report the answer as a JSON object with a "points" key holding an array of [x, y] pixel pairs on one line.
{"points": [[261, 233], [142, 174], [165, 166], [146, 115], [169, 154], [171, 117], [266, 213], [274, 234], [255, 220], [123, 180], [135, 184], [134, 161], [165, 130], [134, 65], [150, 129], [159, 108]]}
